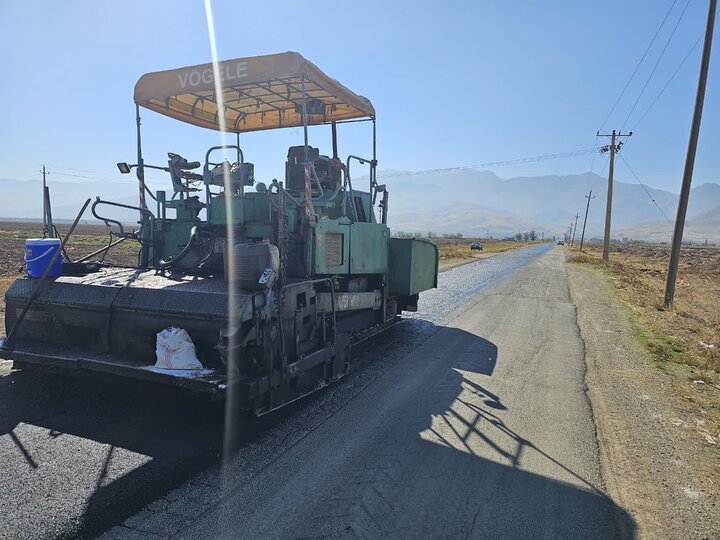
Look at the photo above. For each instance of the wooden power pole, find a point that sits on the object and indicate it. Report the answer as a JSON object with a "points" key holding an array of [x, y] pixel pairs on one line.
{"points": [[572, 241], [612, 148], [587, 208], [690, 158]]}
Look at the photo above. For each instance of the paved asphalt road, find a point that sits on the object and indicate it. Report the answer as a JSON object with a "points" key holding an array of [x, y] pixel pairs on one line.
{"points": [[468, 420]]}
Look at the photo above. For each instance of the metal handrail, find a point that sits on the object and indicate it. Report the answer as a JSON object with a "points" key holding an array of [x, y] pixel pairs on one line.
{"points": [[108, 221], [349, 180]]}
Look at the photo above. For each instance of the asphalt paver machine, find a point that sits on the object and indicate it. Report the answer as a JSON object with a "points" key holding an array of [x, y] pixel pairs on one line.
{"points": [[273, 281]]}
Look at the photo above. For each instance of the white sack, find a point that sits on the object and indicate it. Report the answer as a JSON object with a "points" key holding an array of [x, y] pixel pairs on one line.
{"points": [[175, 350]]}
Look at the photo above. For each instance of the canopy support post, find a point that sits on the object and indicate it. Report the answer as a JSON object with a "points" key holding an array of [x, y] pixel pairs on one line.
{"points": [[145, 228], [140, 166], [304, 116], [373, 164], [237, 140], [334, 140]]}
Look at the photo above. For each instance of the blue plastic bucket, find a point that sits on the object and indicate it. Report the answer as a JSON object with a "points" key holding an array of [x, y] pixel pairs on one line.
{"points": [[38, 252]]}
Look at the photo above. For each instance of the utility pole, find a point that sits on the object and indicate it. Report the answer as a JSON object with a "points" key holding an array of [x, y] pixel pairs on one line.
{"points": [[44, 197], [574, 230], [612, 148], [587, 208], [690, 158]]}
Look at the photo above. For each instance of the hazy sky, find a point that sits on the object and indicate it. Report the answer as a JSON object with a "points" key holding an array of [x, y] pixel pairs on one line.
{"points": [[453, 83]]}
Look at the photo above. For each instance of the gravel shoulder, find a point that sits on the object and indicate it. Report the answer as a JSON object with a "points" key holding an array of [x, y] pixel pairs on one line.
{"points": [[653, 461]]}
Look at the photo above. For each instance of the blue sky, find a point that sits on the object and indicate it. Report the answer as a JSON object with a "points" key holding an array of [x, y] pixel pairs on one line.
{"points": [[453, 83]]}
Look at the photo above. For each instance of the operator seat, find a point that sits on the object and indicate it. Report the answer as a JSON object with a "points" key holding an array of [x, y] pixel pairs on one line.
{"points": [[295, 166]]}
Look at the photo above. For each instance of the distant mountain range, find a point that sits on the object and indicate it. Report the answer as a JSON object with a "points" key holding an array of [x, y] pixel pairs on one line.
{"points": [[472, 202], [479, 202]]}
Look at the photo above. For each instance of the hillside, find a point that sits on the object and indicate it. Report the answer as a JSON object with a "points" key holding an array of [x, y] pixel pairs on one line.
{"points": [[472, 202], [546, 203]]}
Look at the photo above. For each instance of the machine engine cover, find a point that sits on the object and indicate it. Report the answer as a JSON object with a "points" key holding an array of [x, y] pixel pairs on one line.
{"points": [[251, 262]]}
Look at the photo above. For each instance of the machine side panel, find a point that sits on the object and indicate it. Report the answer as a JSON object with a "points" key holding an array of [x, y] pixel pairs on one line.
{"points": [[332, 247], [368, 248], [413, 266]]}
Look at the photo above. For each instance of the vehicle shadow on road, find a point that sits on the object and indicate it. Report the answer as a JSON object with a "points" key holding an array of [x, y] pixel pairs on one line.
{"points": [[123, 444], [431, 453], [475, 465]]}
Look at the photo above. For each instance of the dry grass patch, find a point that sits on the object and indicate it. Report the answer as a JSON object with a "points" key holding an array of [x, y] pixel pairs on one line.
{"points": [[689, 333], [584, 258]]}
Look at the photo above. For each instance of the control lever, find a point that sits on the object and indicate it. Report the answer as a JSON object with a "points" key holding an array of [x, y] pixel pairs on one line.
{"points": [[194, 177], [176, 160]]}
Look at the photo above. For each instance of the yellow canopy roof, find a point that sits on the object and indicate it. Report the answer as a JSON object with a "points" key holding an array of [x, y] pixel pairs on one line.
{"points": [[260, 92]]}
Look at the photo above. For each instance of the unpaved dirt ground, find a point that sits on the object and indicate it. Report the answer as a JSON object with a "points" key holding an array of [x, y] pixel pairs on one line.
{"points": [[85, 239], [694, 322], [682, 342], [656, 461]]}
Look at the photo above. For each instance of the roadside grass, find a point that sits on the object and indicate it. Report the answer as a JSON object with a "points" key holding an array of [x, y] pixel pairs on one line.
{"points": [[584, 258], [684, 341], [662, 347], [689, 332]]}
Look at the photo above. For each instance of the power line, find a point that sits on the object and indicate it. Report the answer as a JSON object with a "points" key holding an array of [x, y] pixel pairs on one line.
{"points": [[77, 170], [632, 76], [592, 165], [59, 173], [531, 159], [652, 72], [31, 177], [669, 81], [644, 188], [103, 178], [602, 170]]}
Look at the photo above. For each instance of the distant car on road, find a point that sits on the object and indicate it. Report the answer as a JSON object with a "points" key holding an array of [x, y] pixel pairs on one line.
{"points": [[560, 243], [476, 245]]}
